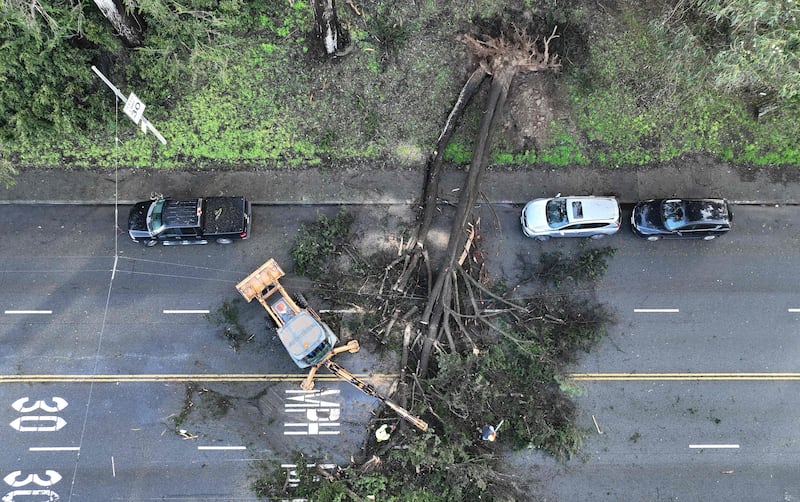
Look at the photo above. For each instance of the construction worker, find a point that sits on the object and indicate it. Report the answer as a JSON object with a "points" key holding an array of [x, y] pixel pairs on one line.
{"points": [[489, 432]]}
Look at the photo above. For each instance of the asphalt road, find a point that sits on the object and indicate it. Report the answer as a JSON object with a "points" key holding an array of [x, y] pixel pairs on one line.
{"points": [[79, 299], [115, 386], [705, 354]]}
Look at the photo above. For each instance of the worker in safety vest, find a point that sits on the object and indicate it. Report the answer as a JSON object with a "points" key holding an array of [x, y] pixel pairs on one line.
{"points": [[384, 432]]}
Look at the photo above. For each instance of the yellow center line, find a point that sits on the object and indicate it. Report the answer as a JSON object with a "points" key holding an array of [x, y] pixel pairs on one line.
{"points": [[167, 377], [606, 377]]}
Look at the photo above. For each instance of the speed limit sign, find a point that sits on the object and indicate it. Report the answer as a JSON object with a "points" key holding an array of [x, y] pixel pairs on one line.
{"points": [[134, 108]]}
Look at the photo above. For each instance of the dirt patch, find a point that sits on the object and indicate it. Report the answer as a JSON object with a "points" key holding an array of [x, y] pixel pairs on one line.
{"points": [[533, 103]]}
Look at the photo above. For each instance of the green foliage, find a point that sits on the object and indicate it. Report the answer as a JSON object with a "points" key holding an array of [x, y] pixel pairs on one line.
{"points": [[588, 265], [458, 153], [517, 379], [390, 34], [233, 84], [230, 83], [283, 19], [7, 170], [562, 150], [227, 317], [397, 481], [317, 243], [273, 482], [43, 91], [750, 45], [647, 96]]}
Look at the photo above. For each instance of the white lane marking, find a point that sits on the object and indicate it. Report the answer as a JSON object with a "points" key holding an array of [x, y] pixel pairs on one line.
{"points": [[794, 310], [720, 446], [186, 311], [54, 448], [28, 311], [116, 258], [221, 447], [312, 429], [657, 311], [113, 468], [323, 466]]}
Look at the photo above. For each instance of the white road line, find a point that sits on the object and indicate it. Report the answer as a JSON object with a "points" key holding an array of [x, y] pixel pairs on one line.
{"points": [[323, 466], [320, 433], [113, 468], [793, 310], [221, 447], [54, 448], [28, 311], [186, 311], [657, 311], [720, 446]]}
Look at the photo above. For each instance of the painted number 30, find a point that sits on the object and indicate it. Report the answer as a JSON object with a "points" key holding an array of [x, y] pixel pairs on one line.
{"points": [[15, 479], [39, 423], [35, 423]]}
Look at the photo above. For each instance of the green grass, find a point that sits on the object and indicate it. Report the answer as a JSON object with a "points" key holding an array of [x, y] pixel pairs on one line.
{"points": [[635, 107], [260, 95]]}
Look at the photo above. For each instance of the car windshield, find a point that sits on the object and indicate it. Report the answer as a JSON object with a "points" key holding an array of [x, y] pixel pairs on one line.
{"points": [[674, 214], [557, 213], [154, 217]]}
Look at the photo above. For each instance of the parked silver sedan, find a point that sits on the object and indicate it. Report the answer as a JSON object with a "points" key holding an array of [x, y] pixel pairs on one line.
{"points": [[581, 216]]}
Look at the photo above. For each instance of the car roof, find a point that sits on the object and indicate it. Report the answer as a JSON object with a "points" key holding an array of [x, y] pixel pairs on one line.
{"points": [[704, 210], [180, 213], [592, 208]]}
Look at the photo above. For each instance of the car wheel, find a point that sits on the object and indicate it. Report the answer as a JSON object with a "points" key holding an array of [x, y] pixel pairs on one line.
{"points": [[224, 240], [653, 238], [597, 236], [709, 237], [542, 238], [150, 243]]}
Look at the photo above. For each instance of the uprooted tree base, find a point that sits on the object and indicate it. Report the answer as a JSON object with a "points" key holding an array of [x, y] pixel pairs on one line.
{"points": [[470, 356]]}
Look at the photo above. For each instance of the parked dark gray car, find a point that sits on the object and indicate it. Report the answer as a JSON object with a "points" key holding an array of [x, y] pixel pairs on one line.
{"points": [[681, 218]]}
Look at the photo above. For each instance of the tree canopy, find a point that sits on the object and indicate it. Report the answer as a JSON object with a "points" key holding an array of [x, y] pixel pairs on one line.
{"points": [[750, 45]]}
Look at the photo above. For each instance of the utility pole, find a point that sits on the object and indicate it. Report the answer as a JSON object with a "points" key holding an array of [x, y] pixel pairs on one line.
{"points": [[134, 108]]}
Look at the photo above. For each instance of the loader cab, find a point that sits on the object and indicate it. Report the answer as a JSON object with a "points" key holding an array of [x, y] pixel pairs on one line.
{"points": [[306, 340]]}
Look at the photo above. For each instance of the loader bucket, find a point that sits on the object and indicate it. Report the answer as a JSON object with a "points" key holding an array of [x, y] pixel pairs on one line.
{"points": [[265, 276]]}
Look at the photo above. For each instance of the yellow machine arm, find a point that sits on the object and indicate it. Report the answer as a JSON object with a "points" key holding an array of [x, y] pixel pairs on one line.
{"points": [[371, 391]]}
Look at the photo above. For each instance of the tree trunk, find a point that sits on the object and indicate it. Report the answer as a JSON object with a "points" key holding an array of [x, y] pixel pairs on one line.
{"points": [[126, 23], [442, 290], [431, 191], [335, 38]]}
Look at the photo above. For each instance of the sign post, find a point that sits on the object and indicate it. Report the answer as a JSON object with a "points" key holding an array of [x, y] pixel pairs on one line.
{"points": [[134, 108]]}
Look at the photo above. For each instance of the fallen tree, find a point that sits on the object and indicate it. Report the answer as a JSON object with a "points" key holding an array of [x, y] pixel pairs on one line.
{"points": [[469, 355], [501, 58]]}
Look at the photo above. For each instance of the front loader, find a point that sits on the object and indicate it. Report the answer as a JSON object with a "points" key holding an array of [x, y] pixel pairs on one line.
{"points": [[309, 341]]}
